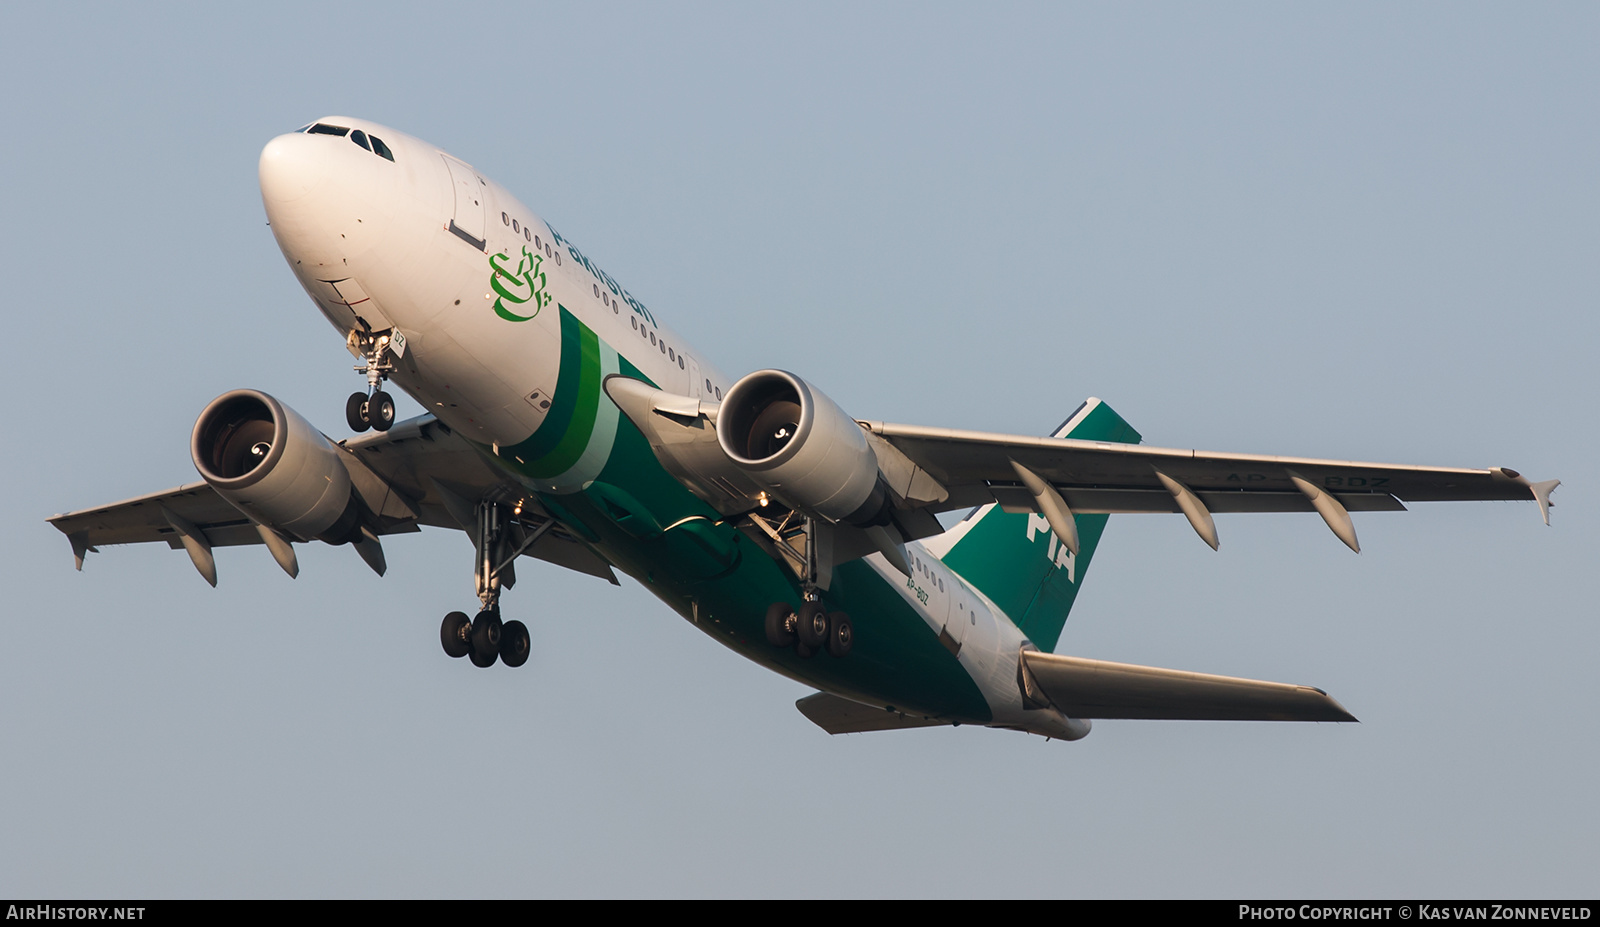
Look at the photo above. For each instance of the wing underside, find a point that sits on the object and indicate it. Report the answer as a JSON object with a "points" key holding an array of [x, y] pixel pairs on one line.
{"points": [[1095, 476], [1094, 689], [415, 474]]}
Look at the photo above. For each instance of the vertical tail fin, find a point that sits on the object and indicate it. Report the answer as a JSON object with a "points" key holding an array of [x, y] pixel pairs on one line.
{"points": [[1015, 559]]}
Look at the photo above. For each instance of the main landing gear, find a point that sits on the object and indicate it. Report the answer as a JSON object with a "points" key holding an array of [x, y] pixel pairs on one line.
{"points": [[375, 408], [813, 628], [485, 638], [498, 541]]}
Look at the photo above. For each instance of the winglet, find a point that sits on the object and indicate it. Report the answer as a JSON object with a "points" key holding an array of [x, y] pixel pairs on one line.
{"points": [[1541, 491], [1541, 495]]}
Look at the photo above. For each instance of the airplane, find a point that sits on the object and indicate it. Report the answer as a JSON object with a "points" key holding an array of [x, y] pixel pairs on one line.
{"points": [[568, 424]]}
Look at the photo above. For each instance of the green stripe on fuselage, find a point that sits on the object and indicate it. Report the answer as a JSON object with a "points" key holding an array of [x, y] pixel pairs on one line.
{"points": [[581, 425], [650, 526], [562, 436]]}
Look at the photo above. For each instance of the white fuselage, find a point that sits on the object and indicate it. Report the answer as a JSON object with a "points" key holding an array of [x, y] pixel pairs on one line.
{"points": [[386, 244]]}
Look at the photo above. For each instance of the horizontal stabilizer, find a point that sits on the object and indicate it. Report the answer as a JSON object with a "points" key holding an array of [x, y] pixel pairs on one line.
{"points": [[841, 716], [1081, 688]]}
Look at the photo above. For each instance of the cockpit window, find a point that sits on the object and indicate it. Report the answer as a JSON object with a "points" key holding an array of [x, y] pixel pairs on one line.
{"points": [[379, 148], [305, 127], [323, 128], [360, 138]]}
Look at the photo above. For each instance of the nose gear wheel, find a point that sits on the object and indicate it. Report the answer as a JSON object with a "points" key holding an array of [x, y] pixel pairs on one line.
{"points": [[374, 408]]}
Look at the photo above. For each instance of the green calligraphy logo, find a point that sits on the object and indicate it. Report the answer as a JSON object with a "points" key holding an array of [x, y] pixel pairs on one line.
{"points": [[524, 285]]}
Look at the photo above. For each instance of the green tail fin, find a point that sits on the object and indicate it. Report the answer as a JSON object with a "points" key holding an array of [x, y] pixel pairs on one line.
{"points": [[1015, 559]]}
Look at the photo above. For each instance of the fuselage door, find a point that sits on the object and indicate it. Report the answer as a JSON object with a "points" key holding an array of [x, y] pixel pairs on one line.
{"points": [[468, 221], [952, 607], [963, 614], [696, 388]]}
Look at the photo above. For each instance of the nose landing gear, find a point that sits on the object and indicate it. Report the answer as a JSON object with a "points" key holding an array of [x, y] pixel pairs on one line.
{"points": [[376, 411], [374, 408]]}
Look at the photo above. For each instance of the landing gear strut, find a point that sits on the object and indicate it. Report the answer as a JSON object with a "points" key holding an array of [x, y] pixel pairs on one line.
{"points": [[374, 408], [813, 628], [498, 540]]}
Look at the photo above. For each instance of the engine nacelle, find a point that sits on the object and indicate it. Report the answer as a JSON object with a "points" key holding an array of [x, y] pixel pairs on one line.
{"points": [[273, 466], [799, 446]]}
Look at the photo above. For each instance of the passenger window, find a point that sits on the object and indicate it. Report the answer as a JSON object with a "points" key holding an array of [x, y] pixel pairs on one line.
{"points": [[527, 233], [596, 287], [548, 252], [634, 321], [670, 355], [680, 361], [536, 242], [515, 226], [360, 138], [505, 218], [719, 392], [652, 337], [379, 148]]}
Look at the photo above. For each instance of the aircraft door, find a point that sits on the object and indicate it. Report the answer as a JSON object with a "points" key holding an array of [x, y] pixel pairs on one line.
{"points": [[470, 194], [696, 388], [957, 620]]}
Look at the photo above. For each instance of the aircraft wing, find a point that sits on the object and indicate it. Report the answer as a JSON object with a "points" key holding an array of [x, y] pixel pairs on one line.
{"points": [[417, 473], [1018, 472], [1092, 689]]}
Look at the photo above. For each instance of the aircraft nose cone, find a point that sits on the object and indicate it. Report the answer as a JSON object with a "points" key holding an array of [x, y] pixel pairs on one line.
{"points": [[292, 166]]}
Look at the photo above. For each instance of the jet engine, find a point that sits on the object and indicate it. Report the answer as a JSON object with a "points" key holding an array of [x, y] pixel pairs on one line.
{"points": [[273, 466], [803, 449]]}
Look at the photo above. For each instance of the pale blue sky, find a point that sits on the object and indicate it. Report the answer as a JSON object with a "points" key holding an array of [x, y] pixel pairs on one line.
{"points": [[1361, 231]]}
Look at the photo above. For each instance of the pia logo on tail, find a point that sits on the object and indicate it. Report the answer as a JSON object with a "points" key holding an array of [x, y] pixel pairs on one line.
{"points": [[517, 287], [1056, 551]]}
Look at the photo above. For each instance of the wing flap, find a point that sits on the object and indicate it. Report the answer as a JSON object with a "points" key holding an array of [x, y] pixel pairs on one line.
{"points": [[1111, 501], [1084, 688]]}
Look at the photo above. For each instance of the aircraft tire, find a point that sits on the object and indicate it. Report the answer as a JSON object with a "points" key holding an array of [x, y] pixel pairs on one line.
{"points": [[355, 412], [780, 624], [380, 410], [486, 632], [456, 634], [515, 644], [805, 652], [484, 661], [812, 628], [841, 634]]}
